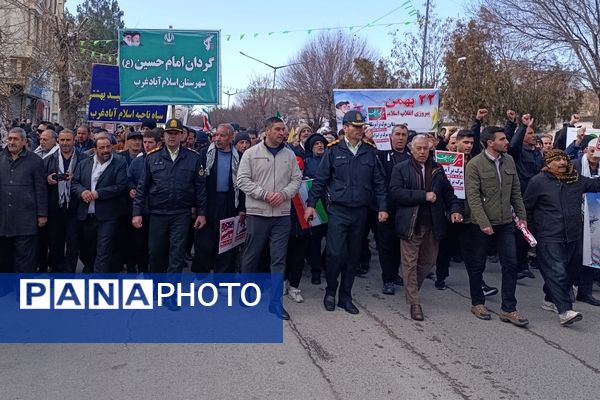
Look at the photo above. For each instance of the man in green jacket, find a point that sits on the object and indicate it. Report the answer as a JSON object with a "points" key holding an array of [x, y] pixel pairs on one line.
{"points": [[492, 191]]}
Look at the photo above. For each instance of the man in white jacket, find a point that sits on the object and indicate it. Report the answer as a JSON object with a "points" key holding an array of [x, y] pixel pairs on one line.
{"points": [[269, 176]]}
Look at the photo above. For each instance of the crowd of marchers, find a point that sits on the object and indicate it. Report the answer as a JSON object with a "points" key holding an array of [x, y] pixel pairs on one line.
{"points": [[151, 200]]}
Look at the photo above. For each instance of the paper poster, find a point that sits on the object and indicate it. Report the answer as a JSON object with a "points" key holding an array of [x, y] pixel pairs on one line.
{"points": [[384, 108], [232, 233], [572, 134], [454, 167]]}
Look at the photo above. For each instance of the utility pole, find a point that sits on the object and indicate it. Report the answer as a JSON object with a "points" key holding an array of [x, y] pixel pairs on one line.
{"points": [[274, 68], [424, 45], [229, 94]]}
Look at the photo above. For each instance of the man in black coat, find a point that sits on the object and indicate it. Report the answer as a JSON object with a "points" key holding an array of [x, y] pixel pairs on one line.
{"points": [[388, 245], [63, 225], [529, 161], [423, 196], [101, 185], [351, 173], [553, 202], [220, 162], [173, 184], [560, 137], [23, 203]]}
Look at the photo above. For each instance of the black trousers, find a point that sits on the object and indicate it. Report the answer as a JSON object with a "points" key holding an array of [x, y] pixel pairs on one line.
{"points": [[138, 261], [314, 255], [97, 244], [522, 251], [584, 279], [295, 259], [371, 225], [558, 264], [18, 254], [167, 240], [206, 240], [345, 235], [449, 247], [388, 247], [63, 241], [42, 258], [474, 244], [122, 251]]}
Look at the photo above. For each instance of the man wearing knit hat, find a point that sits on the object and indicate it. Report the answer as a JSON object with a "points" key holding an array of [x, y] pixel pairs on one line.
{"points": [[147, 125], [553, 201], [242, 142]]}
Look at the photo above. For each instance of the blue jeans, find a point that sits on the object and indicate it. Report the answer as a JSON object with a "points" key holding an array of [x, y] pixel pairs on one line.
{"points": [[558, 264], [474, 245]]}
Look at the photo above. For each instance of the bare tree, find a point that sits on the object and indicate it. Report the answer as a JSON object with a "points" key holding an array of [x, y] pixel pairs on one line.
{"points": [[407, 54], [569, 30], [256, 101], [72, 68], [326, 61]]}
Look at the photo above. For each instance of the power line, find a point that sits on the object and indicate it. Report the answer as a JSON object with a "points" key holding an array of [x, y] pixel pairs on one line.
{"points": [[403, 5]]}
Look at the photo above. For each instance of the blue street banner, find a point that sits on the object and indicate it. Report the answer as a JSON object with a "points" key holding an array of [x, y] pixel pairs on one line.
{"points": [[384, 108], [105, 104], [149, 308], [169, 66]]}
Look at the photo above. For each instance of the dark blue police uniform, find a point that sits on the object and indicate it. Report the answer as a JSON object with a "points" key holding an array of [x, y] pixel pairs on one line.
{"points": [[351, 181], [170, 189]]}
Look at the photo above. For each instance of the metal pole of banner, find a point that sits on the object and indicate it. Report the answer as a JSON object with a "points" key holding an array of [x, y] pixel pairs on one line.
{"points": [[172, 105], [422, 69]]}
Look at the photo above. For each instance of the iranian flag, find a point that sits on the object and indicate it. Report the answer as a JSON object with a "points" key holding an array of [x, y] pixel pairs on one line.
{"points": [[299, 202]]}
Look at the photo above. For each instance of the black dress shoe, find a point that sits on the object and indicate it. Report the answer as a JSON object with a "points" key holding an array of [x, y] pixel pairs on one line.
{"points": [[362, 269], [279, 311], [589, 299], [525, 273], [399, 281], [329, 302], [316, 279], [349, 307], [388, 288]]}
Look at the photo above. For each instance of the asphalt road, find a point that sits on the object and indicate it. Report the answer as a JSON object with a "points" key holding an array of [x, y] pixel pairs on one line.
{"points": [[379, 354]]}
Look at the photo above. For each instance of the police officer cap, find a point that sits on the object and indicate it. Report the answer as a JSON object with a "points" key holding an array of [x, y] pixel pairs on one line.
{"points": [[174, 125], [354, 117]]}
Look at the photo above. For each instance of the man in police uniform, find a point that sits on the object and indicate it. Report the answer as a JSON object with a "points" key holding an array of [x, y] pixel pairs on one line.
{"points": [[173, 185], [351, 173]]}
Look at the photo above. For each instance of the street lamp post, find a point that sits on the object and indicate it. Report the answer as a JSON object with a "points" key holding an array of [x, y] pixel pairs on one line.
{"points": [[274, 68], [229, 94]]}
